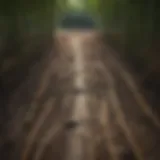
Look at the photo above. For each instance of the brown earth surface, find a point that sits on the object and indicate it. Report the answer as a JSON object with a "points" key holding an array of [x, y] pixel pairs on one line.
{"points": [[81, 103]]}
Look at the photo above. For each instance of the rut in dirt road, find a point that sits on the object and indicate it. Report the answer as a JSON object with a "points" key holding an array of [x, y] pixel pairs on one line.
{"points": [[84, 106]]}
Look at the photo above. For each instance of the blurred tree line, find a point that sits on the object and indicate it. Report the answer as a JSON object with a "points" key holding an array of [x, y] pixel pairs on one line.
{"points": [[132, 27], [26, 33], [138, 39], [25, 37]]}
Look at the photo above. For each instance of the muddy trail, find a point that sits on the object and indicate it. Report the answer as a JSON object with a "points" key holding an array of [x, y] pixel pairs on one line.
{"points": [[80, 103]]}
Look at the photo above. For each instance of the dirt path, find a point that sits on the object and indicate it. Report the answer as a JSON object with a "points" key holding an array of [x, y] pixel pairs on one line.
{"points": [[82, 105]]}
